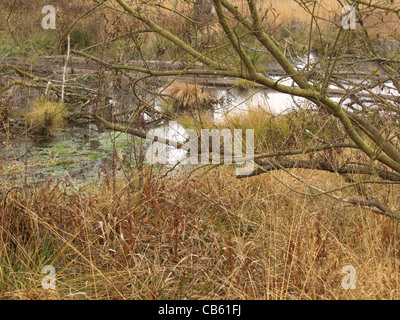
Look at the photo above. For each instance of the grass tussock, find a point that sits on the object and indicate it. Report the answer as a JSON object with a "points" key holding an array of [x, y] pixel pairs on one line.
{"points": [[296, 129], [220, 238], [188, 96], [46, 117]]}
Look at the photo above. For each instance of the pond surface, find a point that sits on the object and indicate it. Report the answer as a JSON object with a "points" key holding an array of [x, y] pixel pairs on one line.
{"points": [[85, 151], [81, 152], [238, 101]]}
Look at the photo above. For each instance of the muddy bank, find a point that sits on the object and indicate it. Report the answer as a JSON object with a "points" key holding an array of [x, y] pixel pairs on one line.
{"points": [[54, 66]]}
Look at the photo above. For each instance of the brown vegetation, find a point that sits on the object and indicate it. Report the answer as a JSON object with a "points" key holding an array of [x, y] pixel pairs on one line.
{"points": [[187, 95], [218, 238], [156, 233]]}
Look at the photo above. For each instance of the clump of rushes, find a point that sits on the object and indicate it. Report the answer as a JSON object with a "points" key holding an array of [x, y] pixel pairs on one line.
{"points": [[187, 96], [270, 131], [46, 117], [197, 122]]}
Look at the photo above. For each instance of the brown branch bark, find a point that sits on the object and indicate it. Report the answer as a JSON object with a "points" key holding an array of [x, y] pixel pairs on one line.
{"points": [[274, 164]]}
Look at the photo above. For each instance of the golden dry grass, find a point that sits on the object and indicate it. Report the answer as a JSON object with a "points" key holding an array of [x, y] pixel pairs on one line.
{"points": [[28, 37], [288, 13], [187, 95], [46, 117], [218, 238], [289, 10], [213, 238]]}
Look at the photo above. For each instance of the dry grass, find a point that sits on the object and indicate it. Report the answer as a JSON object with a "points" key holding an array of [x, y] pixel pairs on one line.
{"points": [[28, 38], [183, 238], [271, 131], [180, 239], [46, 117], [187, 95]]}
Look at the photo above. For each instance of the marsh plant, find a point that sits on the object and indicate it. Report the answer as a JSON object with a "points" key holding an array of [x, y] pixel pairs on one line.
{"points": [[46, 117], [187, 96]]}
